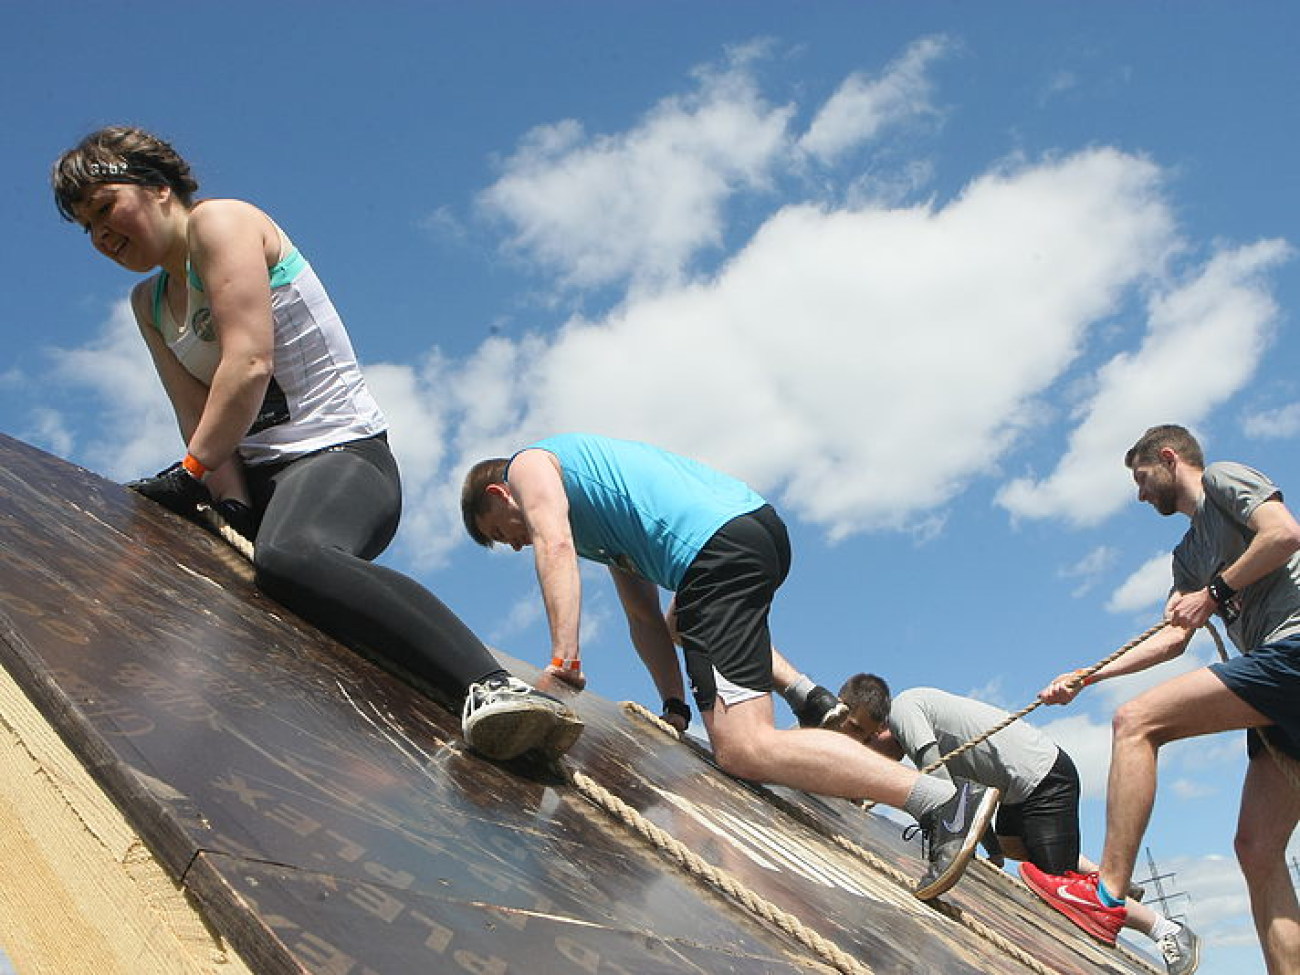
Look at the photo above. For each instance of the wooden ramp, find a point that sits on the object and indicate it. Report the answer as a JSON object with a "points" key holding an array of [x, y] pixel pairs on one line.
{"points": [[326, 818]]}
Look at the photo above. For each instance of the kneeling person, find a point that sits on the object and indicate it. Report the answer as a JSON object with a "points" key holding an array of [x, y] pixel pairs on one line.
{"points": [[1038, 821], [659, 520]]}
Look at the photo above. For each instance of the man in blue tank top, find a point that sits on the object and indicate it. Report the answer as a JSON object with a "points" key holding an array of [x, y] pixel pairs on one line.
{"points": [[659, 520]]}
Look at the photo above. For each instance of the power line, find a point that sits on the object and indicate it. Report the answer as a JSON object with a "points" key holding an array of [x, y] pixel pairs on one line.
{"points": [[1163, 898]]}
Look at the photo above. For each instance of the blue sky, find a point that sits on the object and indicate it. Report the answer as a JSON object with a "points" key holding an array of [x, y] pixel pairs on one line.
{"points": [[919, 272]]}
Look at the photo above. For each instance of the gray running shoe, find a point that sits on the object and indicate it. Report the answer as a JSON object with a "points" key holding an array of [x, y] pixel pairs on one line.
{"points": [[504, 717], [821, 709], [952, 832], [1181, 951]]}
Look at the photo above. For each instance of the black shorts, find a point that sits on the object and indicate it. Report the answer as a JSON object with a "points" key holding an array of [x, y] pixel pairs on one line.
{"points": [[1048, 819], [723, 603]]}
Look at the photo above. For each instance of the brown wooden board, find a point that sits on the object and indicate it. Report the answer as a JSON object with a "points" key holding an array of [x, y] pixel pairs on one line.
{"points": [[328, 818]]}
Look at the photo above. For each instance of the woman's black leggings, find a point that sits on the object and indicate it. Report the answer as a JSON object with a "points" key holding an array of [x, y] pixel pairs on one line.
{"points": [[324, 517]]}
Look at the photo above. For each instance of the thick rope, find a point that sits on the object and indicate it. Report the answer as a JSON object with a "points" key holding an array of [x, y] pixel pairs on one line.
{"points": [[677, 851], [671, 847], [681, 854], [871, 860], [1080, 677], [225, 532], [950, 911]]}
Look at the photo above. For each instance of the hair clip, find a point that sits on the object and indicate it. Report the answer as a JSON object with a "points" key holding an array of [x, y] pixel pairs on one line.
{"points": [[108, 169]]}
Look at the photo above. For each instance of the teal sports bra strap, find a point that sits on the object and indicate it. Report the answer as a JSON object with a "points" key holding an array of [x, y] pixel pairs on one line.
{"points": [[159, 290], [280, 275], [289, 267]]}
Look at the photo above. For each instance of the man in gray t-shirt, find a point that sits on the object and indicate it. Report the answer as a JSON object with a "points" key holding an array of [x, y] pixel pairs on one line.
{"points": [[1038, 821], [927, 723], [1240, 558]]}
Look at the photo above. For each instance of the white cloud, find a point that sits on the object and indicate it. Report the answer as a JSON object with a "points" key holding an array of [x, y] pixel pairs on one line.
{"points": [[1089, 568], [1274, 424], [50, 429], [134, 433], [1184, 788], [639, 204], [1203, 342], [876, 360], [1059, 83], [1088, 744], [1147, 588], [862, 106], [1218, 906], [991, 692], [861, 363], [417, 434]]}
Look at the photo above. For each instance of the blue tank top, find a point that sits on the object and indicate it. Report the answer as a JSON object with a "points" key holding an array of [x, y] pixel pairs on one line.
{"points": [[640, 508]]}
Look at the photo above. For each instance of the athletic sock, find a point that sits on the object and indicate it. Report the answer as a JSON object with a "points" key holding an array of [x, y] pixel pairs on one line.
{"points": [[928, 793], [1106, 897], [1164, 926]]}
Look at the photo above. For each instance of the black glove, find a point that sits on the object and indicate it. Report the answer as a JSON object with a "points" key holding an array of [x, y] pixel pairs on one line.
{"points": [[175, 489], [677, 707]]}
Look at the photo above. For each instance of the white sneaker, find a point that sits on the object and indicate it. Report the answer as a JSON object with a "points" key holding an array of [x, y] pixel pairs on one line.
{"points": [[503, 718], [1181, 951]]}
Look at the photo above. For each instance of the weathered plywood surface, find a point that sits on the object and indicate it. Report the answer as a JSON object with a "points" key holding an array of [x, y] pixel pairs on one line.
{"points": [[81, 893], [328, 819]]}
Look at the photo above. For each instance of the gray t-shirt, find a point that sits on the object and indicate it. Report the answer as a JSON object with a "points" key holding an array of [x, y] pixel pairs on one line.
{"points": [[1269, 608], [1014, 760]]}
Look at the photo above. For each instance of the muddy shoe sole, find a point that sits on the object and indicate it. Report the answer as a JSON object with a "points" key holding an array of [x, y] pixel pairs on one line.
{"points": [[506, 730]]}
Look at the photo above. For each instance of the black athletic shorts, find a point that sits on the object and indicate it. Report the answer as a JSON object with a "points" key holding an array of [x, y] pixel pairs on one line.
{"points": [[1048, 819], [723, 603]]}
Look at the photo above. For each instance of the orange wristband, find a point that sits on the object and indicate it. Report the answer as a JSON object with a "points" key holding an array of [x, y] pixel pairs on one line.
{"points": [[192, 464], [559, 663], [1085, 679]]}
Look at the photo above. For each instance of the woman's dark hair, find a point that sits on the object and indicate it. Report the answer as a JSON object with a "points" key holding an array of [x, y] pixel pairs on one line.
{"points": [[119, 154]]}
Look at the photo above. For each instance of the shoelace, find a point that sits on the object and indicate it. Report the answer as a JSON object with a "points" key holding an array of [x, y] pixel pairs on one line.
{"points": [[1170, 949], [912, 830]]}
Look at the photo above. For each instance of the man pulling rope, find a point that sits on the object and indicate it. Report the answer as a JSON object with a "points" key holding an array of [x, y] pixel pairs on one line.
{"points": [[1240, 558]]}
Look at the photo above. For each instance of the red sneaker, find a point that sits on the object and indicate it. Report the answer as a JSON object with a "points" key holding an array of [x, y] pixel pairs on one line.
{"points": [[1075, 896]]}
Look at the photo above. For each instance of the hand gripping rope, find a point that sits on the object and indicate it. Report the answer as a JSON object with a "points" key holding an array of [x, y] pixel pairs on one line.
{"points": [[225, 532], [1080, 678]]}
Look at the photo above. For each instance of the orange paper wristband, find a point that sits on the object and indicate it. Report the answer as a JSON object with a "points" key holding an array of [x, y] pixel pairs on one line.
{"points": [[193, 465]]}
